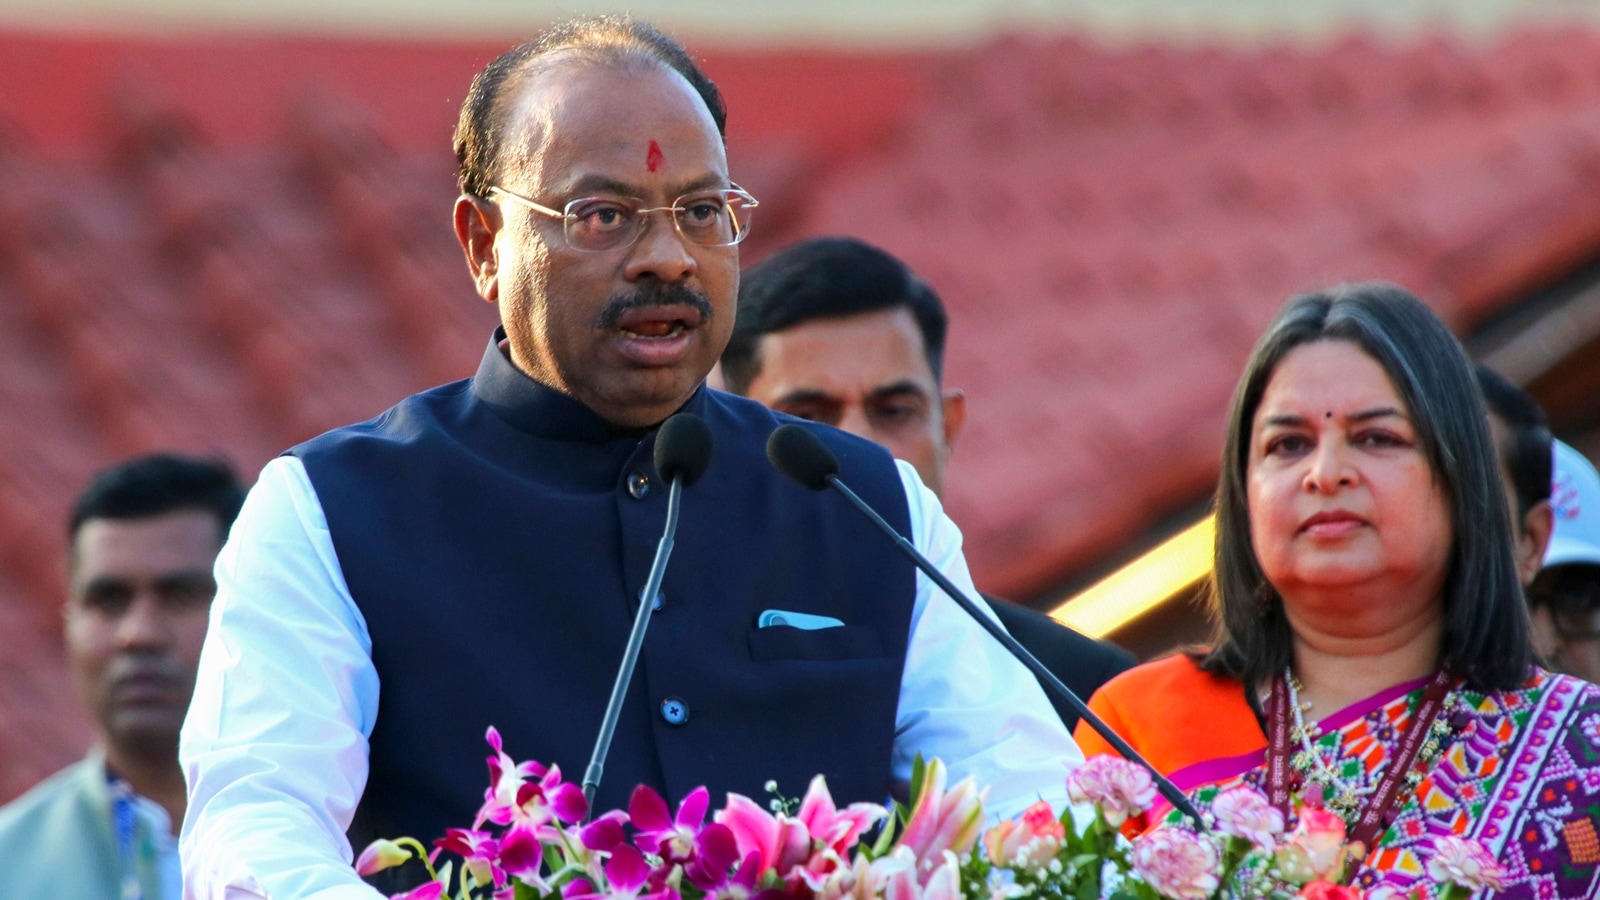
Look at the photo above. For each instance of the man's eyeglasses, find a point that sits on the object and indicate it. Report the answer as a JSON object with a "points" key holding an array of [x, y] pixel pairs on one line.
{"points": [[595, 224], [1572, 593]]}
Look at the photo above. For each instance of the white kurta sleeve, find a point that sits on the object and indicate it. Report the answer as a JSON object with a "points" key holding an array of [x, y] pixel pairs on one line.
{"points": [[274, 748], [963, 697]]}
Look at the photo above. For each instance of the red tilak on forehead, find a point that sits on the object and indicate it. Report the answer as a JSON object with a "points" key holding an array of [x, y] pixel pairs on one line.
{"points": [[654, 159]]}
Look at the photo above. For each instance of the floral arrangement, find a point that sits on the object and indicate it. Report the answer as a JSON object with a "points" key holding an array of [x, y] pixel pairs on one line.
{"points": [[528, 843]]}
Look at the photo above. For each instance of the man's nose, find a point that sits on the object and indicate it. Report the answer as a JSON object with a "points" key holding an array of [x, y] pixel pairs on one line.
{"points": [[144, 623], [661, 252], [854, 419]]}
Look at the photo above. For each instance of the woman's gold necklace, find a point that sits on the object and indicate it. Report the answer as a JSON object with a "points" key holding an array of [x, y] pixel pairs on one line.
{"points": [[1339, 797]]}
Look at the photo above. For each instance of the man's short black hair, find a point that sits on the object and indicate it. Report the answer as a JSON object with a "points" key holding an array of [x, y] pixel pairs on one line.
{"points": [[147, 486], [481, 130], [1528, 446], [826, 278]]}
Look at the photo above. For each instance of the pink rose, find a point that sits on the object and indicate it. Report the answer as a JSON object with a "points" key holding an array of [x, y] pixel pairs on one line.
{"points": [[1177, 863], [1325, 890], [1317, 842], [1117, 787], [1458, 860], [1028, 842], [1244, 812]]}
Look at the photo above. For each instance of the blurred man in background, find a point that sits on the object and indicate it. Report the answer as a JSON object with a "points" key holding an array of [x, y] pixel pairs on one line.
{"points": [[142, 541], [1554, 495], [1565, 595], [837, 331]]}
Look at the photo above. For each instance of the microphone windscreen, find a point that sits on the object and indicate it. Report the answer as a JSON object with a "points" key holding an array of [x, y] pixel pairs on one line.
{"points": [[802, 456], [683, 448]]}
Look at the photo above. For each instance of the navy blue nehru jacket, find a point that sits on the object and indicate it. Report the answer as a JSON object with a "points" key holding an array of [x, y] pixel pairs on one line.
{"points": [[496, 535]]}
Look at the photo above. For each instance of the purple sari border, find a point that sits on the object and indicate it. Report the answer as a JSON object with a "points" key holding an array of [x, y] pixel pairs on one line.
{"points": [[1211, 771], [1214, 770], [1362, 708]]}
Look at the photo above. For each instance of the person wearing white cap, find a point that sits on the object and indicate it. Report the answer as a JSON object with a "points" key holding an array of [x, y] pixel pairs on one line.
{"points": [[1565, 595]]}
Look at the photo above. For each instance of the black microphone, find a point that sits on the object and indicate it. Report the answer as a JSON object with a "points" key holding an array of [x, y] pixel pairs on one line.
{"points": [[803, 457], [682, 452]]}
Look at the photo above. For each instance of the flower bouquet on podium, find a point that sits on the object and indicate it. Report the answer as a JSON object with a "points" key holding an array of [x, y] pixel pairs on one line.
{"points": [[533, 840]]}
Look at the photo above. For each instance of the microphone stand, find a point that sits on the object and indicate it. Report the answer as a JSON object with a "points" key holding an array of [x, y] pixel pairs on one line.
{"points": [[1163, 785], [630, 655]]}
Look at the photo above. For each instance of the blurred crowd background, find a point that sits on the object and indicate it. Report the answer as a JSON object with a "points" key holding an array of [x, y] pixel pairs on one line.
{"points": [[225, 228]]}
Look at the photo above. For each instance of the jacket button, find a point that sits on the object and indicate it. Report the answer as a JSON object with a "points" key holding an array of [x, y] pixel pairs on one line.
{"points": [[638, 485], [674, 711], [660, 599]]}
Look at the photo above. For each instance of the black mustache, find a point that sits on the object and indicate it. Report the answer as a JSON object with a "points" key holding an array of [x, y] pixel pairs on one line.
{"points": [[653, 293]]}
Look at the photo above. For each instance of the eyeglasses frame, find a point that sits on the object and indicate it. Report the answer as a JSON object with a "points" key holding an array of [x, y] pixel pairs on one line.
{"points": [[749, 201]]}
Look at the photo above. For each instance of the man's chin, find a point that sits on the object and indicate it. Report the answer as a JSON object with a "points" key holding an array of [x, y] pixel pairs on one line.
{"points": [[643, 399], [145, 732]]}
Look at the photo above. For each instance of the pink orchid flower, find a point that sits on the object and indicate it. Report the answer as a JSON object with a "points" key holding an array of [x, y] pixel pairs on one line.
{"points": [[433, 890], [716, 851], [522, 855], [527, 792], [627, 873], [943, 821], [655, 831], [780, 842], [604, 833], [741, 885], [479, 852]]}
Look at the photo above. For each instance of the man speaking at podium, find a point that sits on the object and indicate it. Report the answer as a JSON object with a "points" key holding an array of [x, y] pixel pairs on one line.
{"points": [[474, 555]]}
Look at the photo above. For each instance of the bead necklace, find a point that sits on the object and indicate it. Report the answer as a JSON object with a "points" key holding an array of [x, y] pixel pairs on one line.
{"points": [[1339, 797]]}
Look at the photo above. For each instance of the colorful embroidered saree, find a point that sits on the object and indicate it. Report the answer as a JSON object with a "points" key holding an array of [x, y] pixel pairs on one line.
{"points": [[1522, 777]]}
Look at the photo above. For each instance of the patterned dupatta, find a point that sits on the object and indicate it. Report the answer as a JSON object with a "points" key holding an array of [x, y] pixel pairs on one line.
{"points": [[1522, 777]]}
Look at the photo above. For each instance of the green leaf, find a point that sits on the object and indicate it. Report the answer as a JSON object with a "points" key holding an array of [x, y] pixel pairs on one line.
{"points": [[521, 891], [919, 770], [887, 832]]}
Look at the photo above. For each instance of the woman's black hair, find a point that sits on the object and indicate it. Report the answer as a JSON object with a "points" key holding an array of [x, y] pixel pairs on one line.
{"points": [[1486, 636]]}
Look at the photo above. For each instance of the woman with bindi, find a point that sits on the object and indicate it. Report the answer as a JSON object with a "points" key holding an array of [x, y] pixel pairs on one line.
{"points": [[1372, 655]]}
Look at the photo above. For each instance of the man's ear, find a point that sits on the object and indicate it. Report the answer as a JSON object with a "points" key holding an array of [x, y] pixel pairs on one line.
{"points": [[1537, 524], [954, 401], [477, 221]]}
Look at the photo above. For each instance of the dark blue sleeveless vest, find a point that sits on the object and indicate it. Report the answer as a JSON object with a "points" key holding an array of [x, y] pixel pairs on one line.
{"points": [[496, 534]]}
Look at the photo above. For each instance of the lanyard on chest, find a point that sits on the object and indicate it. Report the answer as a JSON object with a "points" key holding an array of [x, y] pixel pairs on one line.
{"points": [[1375, 815], [124, 828]]}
